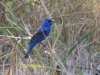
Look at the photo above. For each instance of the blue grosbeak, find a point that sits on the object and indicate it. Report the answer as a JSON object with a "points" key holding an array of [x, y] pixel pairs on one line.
{"points": [[40, 34]]}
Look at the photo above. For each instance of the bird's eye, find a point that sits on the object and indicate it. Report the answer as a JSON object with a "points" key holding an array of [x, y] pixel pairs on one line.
{"points": [[49, 21]]}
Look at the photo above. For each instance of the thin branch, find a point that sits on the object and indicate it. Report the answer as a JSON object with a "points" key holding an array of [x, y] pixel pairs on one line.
{"points": [[46, 9], [14, 37]]}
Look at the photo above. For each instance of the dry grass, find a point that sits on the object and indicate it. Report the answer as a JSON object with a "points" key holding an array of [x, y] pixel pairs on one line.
{"points": [[72, 47]]}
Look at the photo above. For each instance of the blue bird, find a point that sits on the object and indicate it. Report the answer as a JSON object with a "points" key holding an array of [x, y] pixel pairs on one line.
{"points": [[42, 32]]}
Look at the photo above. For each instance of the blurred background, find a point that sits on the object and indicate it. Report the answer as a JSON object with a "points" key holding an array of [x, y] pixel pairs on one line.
{"points": [[73, 47]]}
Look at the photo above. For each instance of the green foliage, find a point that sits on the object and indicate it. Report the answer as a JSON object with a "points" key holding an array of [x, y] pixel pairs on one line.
{"points": [[73, 47], [79, 73]]}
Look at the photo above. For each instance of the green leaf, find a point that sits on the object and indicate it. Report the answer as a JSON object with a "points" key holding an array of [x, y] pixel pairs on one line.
{"points": [[73, 47], [79, 73]]}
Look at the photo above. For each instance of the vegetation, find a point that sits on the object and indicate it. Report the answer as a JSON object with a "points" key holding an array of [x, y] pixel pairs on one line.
{"points": [[72, 47]]}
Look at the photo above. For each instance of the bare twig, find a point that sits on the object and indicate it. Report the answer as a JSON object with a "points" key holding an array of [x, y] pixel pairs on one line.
{"points": [[46, 9], [14, 37]]}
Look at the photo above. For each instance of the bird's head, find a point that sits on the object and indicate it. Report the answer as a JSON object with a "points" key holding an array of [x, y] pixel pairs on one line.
{"points": [[49, 21]]}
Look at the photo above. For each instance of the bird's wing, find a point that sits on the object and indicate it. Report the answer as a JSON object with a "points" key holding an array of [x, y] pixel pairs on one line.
{"points": [[37, 35]]}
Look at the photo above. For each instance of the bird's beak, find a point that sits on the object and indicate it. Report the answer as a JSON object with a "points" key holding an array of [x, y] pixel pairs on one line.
{"points": [[52, 22]]}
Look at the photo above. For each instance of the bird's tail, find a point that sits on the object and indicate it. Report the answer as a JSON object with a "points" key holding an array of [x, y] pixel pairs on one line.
{"points": [[26, 56]]}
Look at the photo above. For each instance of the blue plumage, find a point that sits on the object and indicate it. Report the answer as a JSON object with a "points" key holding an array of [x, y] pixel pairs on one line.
{"points": [[41, 33]]}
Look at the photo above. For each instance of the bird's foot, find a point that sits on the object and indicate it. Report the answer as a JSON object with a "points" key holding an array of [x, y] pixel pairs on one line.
{"points": [[43, 44]]}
